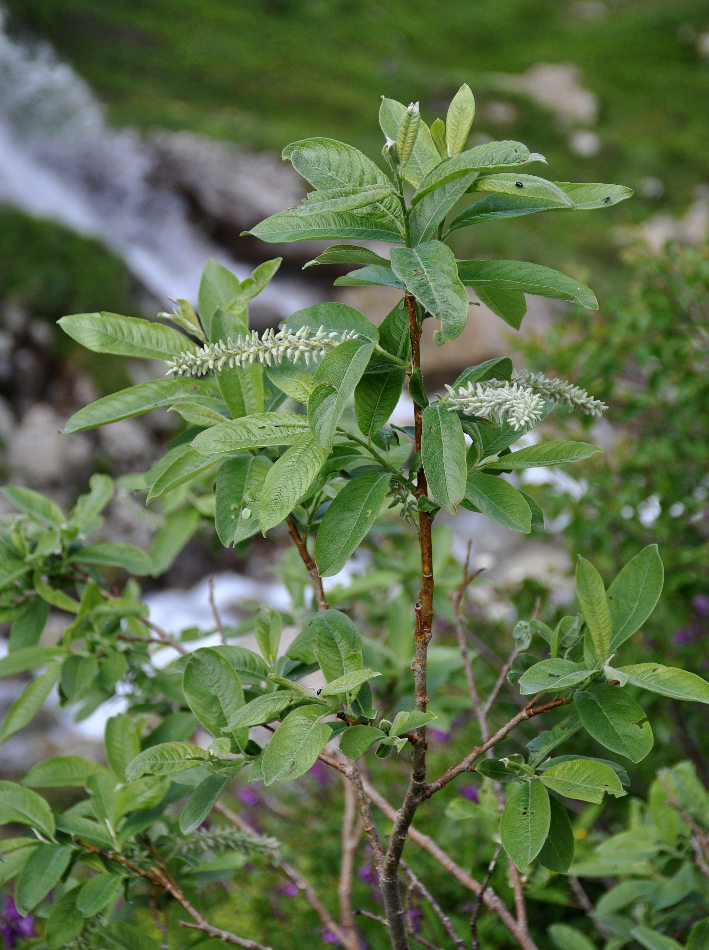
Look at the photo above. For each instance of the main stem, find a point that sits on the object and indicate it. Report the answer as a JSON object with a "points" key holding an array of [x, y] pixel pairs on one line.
{"points": [[415, 794]]}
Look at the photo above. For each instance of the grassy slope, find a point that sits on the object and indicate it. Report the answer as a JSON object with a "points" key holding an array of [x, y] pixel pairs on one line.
{"points": [[270, 72]]}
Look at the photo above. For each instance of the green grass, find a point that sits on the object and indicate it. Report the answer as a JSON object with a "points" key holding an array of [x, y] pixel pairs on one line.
{"points": [[271, 71]]}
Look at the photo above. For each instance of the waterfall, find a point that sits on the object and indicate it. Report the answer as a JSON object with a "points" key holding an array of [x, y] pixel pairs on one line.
{"points": [[60, 160]]}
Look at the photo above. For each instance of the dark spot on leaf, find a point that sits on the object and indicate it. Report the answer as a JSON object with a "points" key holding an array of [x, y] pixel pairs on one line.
{"points": [[518, 184], [607, 201]]}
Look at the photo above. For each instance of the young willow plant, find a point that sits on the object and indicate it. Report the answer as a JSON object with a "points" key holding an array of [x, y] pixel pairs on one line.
{"points": [[271, 429]]}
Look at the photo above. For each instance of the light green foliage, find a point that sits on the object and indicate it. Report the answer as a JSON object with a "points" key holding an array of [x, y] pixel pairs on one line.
{"points": [[292, 424]]}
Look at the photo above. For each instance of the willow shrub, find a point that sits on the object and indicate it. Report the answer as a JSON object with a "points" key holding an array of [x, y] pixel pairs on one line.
{"points": [[289, 431]]}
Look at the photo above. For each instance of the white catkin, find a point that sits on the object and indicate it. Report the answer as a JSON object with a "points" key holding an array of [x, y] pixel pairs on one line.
{"points": [[269, 350], [519, 402]]}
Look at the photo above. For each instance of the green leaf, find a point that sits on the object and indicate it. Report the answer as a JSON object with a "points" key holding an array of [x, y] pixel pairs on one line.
{"points": [[509, 305], [30, 701], [565, 937], [545, 453], [179, 465], [237, 498], [127, 937], [111, 554], [347, 199], [166, 758], [20, 805], [348, 519], [122, 743], [524, 824], [289, 479], [349, 682], [99, 892], [355, 741], [19, 661], [139, 399], [337, 317], [378, 275], [530, 186], [552, 676], [699, 935], [443, 452], [498, 368], [60, 771], [615, 720], [219, 289], [526, 278], [262, 709], [201, 801], [338, 373], [459, 119], [433, 208], [174, 534], [252, 432], [184, 316], [63, 923], [249, 665], [499, 501], [295, 745], [558, 851], [668, 681], [424, 156], [33, 503], [592, 597], [346, 254], [476, 159], [328, 163], [90, 505], [653, 940], [583, 779], [42, 871], [126, 336], [312, 224], [268, 632], [376, 396], [212, 689], [338, 643], [634, 593], [430, 275]]}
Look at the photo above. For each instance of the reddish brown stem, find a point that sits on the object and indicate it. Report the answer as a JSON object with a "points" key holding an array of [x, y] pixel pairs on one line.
{"points": [[310, 564]]}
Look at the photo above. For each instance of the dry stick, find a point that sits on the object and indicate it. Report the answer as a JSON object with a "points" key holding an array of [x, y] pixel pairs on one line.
{"points": [[215, 612], [466, 764], [290, 872], [309, 564], [418, 885], [351, 833], [491, 900], [478, 903], [168, 884], [457, 599], [414, 936], [586, 904]]}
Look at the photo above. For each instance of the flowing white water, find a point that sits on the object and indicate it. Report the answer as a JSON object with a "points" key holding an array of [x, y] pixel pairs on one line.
{"points": [[60, 160]]}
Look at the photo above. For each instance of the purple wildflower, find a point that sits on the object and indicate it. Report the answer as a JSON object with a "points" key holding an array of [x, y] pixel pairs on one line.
{"points": [[471, 792], [367, 874], [320, 774], [701, 604], [328, 936], [248, 797], [437, 736], [682, 638], [288, 890], [14, 925]]}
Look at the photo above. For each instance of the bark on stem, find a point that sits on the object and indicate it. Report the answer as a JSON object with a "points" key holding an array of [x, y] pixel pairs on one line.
{"points": [[309, 563]]}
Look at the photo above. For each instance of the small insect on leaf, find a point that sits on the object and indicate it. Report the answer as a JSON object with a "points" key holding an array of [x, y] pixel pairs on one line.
{"points": [[518, 184]]}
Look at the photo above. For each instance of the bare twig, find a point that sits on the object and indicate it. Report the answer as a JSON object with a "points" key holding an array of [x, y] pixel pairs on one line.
{"points": [[435, 906], [457, 600], [410, 933], [468, 762], [166, 882], [586, 904], [479, 901], [351, 833], [215, 611], [309, 563]]}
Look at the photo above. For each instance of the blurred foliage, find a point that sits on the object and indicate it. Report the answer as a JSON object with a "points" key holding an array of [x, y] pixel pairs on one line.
{"points": [[647, 355]]}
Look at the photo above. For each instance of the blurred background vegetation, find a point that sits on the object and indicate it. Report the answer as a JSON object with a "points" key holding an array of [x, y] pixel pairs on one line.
{"points": [[628, 106]]}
